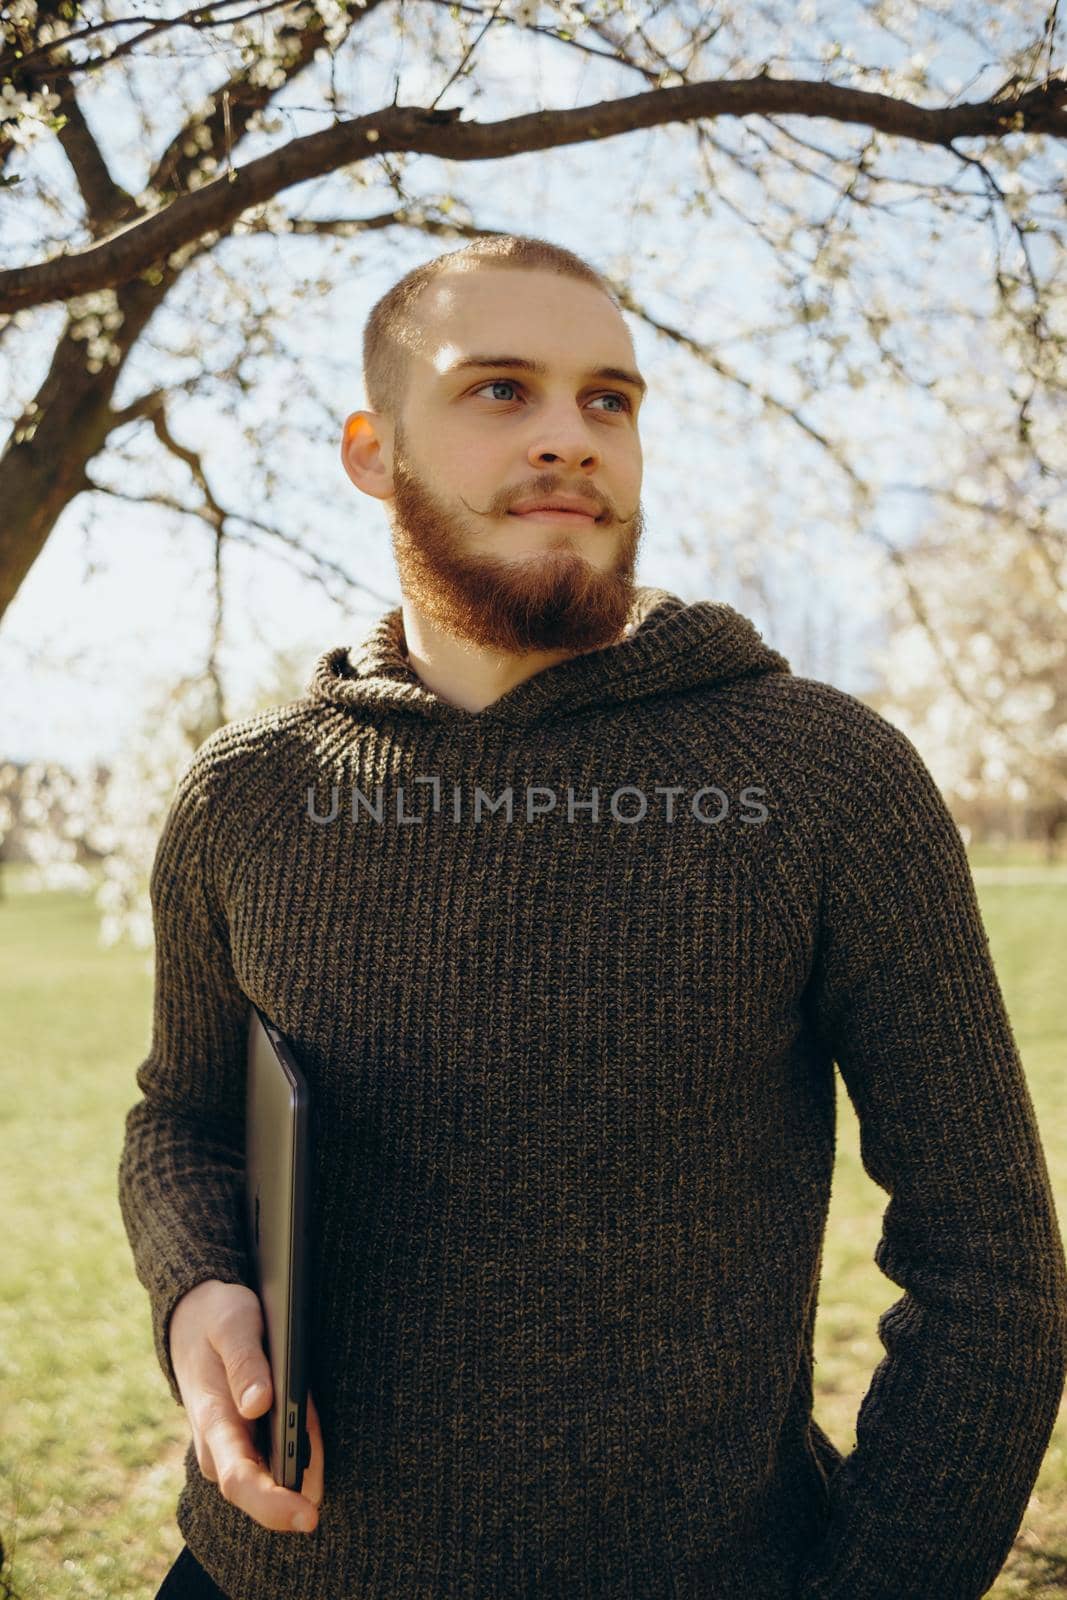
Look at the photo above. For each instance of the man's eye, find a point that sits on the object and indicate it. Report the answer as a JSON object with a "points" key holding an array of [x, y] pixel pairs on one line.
{"points": [[510, 383]]}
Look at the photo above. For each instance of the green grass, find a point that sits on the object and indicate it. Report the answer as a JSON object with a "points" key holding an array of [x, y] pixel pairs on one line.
{"points": [[1015, 853], [1027, 926], [92, 1444]]}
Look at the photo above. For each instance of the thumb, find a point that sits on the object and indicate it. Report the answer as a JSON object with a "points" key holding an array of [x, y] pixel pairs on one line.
{"points": [[255, 1398], [239, 1342]]}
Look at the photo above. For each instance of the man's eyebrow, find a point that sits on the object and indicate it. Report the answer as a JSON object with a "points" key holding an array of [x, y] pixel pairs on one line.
{"points": [[523, 364]]}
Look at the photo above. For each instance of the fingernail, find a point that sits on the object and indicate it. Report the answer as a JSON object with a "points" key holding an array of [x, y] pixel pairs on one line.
{"points": [[302, 1522], [252, 1395]]}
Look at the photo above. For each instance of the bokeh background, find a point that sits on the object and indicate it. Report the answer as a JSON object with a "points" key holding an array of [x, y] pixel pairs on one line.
{"points": [[855, 345]]}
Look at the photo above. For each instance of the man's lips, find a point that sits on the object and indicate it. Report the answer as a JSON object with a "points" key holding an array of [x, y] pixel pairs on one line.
{"points": [[546, 515]]}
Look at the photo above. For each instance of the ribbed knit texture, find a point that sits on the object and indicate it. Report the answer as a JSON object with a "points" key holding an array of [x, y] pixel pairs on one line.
{"points": [[575, 1107]]}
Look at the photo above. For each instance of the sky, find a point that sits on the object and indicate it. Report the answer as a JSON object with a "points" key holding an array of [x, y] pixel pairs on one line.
{"points": [[118, 604]]}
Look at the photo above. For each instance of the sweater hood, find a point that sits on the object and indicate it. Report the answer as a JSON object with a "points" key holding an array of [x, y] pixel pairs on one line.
{"points": [[670, 646]]}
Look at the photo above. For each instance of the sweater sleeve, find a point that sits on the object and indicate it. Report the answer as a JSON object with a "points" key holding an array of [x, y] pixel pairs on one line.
{"points": [[958, 1415], [181, 1172]]}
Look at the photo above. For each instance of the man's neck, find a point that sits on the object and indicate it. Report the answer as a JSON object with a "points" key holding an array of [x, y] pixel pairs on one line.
{"points": [[468, 676]]}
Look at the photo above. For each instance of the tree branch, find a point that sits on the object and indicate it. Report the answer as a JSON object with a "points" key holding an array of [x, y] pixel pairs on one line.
{"points": [[322, 566], [37, 63], [42, 466], [144, 406], [212, 513], [106, 202], [218, 204]]}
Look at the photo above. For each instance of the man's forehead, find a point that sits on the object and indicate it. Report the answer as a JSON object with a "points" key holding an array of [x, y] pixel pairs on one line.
{"points": [[466, 316]]}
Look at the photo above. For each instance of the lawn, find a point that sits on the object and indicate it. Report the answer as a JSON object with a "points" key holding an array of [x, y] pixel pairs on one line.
{"points": [[92, 1445]]}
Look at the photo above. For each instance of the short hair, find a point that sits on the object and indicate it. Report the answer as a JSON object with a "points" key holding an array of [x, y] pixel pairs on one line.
{"points": [[388, 331]]}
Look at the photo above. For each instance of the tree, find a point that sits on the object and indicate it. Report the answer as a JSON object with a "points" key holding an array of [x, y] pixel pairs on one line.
{"points": [[1003, 643], [819, 148], [97, 829]]}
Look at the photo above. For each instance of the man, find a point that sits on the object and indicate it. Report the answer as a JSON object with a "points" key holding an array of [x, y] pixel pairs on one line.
{"points": [[569, 895]]}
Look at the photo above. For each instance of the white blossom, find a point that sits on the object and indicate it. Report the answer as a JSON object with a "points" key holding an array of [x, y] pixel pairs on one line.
{"points": [[26, 116]]}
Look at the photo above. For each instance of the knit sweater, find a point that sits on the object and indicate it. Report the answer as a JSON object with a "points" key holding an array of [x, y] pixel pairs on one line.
{"points": [[569, 978]]}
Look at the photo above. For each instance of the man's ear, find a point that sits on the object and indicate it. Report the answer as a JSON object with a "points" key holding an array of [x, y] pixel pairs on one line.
{"points": [[366, 453]]}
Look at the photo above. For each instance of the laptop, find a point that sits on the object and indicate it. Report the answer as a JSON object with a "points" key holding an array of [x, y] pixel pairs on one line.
{"points": [[277, 1202]]}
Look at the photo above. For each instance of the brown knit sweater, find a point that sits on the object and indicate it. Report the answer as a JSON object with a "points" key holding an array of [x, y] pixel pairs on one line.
{"points": [[573, 1073]]}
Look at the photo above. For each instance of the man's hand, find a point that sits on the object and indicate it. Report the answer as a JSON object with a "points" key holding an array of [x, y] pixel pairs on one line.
{"points": [[216, 1349]]}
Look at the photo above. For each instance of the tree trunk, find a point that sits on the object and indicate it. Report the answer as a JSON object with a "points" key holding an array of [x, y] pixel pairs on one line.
{"points": [[40, 474]]}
